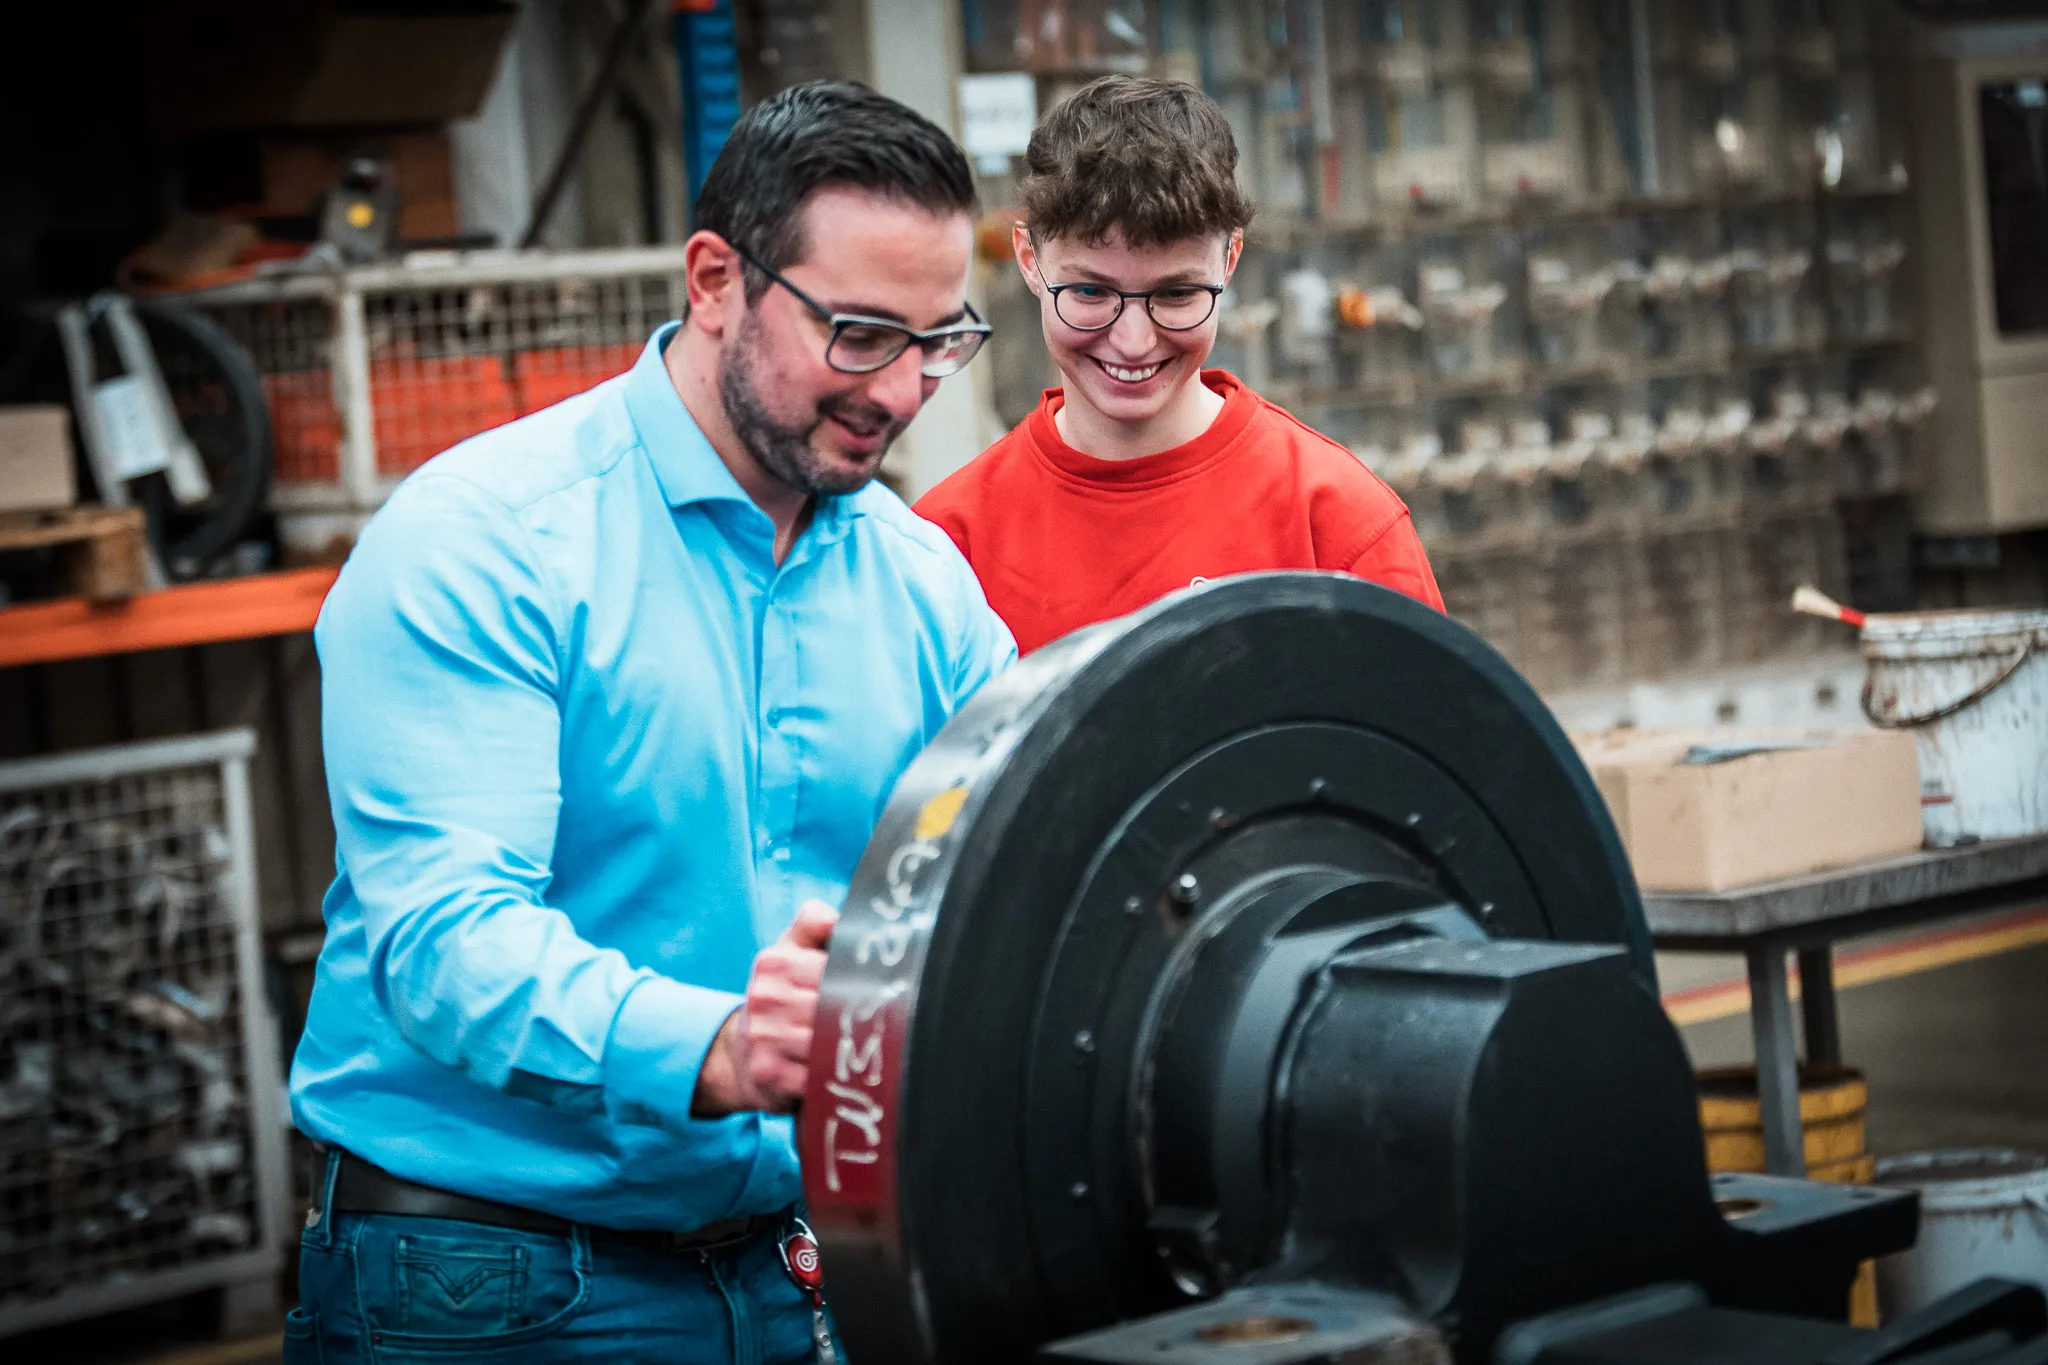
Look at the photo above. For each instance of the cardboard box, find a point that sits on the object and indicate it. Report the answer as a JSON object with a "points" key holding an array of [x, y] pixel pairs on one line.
{"points": [[216, 64], [36, 468], [285, 173], [1842, 797], [297, 171]]}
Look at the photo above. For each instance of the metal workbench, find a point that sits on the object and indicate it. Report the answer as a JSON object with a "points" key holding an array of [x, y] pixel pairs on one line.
{"points": [[1807, 915]]}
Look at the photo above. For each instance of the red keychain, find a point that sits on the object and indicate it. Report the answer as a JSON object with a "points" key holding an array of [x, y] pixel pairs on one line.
{"points": [[806, 1269]]}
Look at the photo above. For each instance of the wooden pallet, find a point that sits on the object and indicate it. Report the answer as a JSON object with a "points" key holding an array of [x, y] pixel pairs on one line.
{"points": [[102, 552]]}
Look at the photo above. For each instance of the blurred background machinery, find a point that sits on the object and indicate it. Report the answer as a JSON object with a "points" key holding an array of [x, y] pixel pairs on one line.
{"points": [[142, 1142], [1650, 311], [1619, 296]]}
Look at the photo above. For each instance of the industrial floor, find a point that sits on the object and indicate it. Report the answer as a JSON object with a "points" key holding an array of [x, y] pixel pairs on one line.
{"points": [[1956, 1055]]}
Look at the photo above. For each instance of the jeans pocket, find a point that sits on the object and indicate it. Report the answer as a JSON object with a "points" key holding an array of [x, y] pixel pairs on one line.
{"points": [[437, 1286], [459, 1286], [302, 1338]]}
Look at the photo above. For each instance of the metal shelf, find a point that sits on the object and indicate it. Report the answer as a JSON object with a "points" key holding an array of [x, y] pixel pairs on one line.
{"points": [[191, 614], [1289, 230], [1532, 379]]}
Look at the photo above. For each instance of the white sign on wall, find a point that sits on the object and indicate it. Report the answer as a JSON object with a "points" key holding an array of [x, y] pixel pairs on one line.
{"points": [[997, 113]]}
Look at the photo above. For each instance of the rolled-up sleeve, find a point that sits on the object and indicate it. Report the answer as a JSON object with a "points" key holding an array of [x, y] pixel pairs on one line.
{"points": [[440, 653]]}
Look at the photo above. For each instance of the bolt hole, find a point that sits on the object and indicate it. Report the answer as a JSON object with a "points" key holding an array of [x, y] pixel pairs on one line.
{"points": [[1258, 1331], [1189, 1276], [1734, 1207]]}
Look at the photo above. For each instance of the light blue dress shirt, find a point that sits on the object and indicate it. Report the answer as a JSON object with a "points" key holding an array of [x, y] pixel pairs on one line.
{"points": [[588, 747]]}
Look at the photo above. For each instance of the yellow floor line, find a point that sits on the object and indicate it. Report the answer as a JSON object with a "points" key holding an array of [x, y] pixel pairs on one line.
{"points": [[1920, 958], [1731, 998], [226, 1353], [1721, 1003]]}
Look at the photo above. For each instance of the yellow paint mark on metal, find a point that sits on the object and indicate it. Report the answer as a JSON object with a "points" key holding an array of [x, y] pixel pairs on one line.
{"points": [[940, 812]]}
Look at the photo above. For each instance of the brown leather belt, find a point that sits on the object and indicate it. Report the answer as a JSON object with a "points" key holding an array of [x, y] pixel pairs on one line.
{"points": [[360, 1187]]}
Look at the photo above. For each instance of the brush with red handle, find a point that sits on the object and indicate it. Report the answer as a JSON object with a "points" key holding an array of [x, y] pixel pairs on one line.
{"points": [[1814, 602]]}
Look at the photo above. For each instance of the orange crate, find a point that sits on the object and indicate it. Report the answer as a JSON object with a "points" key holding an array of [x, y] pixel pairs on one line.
{"points": [[305, 429], [430, 356], [546, 377], [424, 406]]}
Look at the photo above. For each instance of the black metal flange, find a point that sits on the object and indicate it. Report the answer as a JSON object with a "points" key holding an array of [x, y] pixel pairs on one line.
{"points": [[982, 1159]]}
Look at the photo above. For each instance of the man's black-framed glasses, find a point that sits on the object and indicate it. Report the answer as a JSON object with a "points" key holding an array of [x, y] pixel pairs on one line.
{"points": [[862, 345], [1087, 307]]}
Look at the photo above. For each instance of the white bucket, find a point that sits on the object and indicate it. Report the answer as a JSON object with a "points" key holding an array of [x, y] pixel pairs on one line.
{"points": [[1981, 1213], [1973, 686]]}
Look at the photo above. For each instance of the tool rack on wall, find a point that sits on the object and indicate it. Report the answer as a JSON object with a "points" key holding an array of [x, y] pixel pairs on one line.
{"points": [[1609, 291]]}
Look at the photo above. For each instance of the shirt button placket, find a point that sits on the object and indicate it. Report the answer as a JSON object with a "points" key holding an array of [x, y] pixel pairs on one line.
{"points": [[778, 775]]}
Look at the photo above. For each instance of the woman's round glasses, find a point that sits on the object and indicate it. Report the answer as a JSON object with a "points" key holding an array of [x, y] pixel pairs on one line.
{"points": [[1172, 307]]}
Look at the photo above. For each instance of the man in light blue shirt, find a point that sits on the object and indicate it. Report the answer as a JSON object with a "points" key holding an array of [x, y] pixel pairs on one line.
{"points": [[613, 696]]}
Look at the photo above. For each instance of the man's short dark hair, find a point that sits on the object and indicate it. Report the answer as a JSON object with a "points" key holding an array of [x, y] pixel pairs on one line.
{"points": [[819, 134], [1152, 161]]}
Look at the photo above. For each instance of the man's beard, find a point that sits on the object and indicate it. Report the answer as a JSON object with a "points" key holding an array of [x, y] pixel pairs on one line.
{"points": [[786, 452]]}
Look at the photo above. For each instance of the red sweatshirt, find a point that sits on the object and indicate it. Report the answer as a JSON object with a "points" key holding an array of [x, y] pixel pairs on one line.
{"points": [[1061, 540]]}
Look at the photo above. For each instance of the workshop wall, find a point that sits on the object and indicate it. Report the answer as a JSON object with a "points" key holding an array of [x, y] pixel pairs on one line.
{"points": [[1618, 296]]}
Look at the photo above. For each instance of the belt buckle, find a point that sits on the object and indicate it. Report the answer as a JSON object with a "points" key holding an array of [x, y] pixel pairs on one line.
{"points": [[705, 1239]]}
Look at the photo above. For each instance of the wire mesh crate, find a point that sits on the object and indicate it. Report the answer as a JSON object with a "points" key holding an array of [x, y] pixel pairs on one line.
{"points": [[372, 371], [142, 1143]]}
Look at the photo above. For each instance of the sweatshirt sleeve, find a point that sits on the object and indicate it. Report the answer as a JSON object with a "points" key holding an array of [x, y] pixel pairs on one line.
{"points": [[1395, 559], [939, 509]]}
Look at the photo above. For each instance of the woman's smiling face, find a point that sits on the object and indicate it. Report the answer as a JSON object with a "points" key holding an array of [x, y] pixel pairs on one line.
{"points": [[1132, 370]]}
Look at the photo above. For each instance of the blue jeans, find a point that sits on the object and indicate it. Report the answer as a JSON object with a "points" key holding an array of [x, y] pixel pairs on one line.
{"points": [[387, 1289]]}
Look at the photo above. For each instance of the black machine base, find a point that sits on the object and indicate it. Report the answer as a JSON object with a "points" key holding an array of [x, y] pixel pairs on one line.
{"points": [[1994, 1322], [1259, 979]]}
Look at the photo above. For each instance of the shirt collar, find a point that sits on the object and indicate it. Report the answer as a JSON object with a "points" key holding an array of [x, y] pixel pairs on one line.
{"points": [[685, 465]]}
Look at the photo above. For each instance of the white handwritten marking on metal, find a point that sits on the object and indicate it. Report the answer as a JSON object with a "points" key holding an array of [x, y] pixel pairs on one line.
{"points": [[856, 1086], [864, 1113], [853, 1131], [889, 941], [863, 1060]]}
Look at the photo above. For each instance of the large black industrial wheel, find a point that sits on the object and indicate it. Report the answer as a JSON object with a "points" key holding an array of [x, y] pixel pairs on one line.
{"points": [[220, 403], [975, 1143]]}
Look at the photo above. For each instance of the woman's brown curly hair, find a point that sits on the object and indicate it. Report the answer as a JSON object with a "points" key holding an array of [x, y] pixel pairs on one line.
{"points": [[1152, 161]]}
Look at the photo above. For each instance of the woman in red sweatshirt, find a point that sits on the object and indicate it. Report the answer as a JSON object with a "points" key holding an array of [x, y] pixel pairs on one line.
{"points": [[1144, 472]]}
